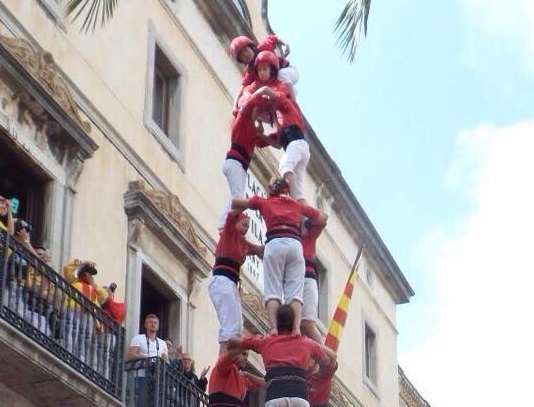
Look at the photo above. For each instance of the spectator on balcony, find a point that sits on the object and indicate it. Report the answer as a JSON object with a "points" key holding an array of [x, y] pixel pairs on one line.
{"points": [[146, 346], [283, 261], [188, 394], [80, 327], [107, 336], [229, 383], [230, 253], [189, 372], [177, 355], [6, 218], [115, 309], [40, 293], [18, 266], [286, 358]]}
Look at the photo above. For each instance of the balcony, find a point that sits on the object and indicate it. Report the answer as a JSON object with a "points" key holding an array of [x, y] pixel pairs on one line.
{"points": [[58, 348], [153, 383]]}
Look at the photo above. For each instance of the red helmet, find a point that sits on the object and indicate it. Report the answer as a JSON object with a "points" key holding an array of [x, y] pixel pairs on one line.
{"points": [[266, 57], [237, 45]]}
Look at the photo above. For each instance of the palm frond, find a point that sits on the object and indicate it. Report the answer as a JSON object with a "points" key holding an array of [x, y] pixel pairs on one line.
{"points": [[349, 26], [92, 11]]}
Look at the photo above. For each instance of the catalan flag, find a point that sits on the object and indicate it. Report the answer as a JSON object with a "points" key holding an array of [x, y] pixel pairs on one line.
{"points": [[335, 329]]}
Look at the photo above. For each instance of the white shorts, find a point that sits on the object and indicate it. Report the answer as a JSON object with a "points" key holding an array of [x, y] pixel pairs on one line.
{"points": [[225, 298], [287, 402], [237, 178], [283, 270], [289, 75], [311, 300], [295, 160]]}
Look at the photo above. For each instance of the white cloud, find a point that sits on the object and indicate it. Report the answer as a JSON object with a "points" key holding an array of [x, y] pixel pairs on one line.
{"points": [[504, 27], [483, 348]]}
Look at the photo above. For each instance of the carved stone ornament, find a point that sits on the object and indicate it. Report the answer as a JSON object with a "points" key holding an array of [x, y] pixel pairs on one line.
{"points": [[337, 394], [41, 65], [171, 206], [255, 303], [135, 227]]}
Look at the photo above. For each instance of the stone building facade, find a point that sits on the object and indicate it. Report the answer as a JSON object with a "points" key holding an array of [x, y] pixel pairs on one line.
{"points": [[113, 144]]}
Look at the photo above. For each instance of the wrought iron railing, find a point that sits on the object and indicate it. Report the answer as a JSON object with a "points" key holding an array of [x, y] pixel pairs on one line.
{"points": [[153, 383], [46, 308]]}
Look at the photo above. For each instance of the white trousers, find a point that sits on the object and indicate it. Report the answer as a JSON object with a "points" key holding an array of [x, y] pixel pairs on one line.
{"points": [[237, 178], [287, 402], [283, 270], [225, 298], [311, 300], [295, 160]]}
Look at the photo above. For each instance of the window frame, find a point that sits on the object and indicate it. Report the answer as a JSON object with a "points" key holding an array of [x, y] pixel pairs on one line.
{"points": [[370, 357], [161, 60]]}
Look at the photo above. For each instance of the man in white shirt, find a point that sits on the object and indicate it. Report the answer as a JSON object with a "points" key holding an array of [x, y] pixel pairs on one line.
{"points": [[148, 345], [144, 346]]}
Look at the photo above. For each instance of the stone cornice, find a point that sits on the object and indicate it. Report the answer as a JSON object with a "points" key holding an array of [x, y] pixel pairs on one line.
{"points": [[167, 218], [39, 75], [224, 19], [408, 393]]}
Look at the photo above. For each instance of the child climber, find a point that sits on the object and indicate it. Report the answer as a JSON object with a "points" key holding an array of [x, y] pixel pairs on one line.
{"points": [[245, 50], [267, 93]]}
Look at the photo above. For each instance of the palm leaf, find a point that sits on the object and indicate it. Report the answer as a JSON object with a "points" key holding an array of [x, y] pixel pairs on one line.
{"points": [[92, 12], [349, 26]]}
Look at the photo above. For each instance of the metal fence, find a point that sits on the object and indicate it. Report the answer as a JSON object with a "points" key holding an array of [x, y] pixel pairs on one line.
{"points": [[153, 383], [46, 308]]}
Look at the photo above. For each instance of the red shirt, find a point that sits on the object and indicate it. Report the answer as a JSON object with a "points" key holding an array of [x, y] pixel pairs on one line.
{"points": [[308, 245], [320, 385], [282, 210], [232, 243], [287, 111], [284, 350], [244, 139], [226, 378]]}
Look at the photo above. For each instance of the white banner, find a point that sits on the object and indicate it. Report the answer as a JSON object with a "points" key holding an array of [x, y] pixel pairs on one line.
{"points": [[253, 266]]}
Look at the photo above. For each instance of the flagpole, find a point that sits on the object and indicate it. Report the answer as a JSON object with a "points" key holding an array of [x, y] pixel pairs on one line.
{"points": [[337, 323]]}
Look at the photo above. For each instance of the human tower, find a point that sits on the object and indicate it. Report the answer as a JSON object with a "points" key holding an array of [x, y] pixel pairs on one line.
{"points": [[298, 367]]}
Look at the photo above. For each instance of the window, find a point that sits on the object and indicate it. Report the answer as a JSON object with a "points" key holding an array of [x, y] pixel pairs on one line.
{"points": [[165, 86], [165, 95], [370, 354], [22, 182], [157, 298]]}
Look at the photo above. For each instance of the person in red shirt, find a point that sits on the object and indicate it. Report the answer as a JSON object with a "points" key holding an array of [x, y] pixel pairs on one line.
{"points": [[229, 383], [230, 253], [245, 137], [309, 234], [244, 50], [283, 261], [286, 358], [271, 95], [320, 384]]}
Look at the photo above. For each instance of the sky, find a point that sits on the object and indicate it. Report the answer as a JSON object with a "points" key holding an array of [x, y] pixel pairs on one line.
{"points": [[432, 127]]}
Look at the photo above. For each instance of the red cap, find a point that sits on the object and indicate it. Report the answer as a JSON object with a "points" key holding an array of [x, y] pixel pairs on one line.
{"points": [[237, 45], [266, 57]]}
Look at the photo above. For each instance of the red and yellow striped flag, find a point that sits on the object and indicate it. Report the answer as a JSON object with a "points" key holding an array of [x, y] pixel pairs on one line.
{"points": [[335, 329]]}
